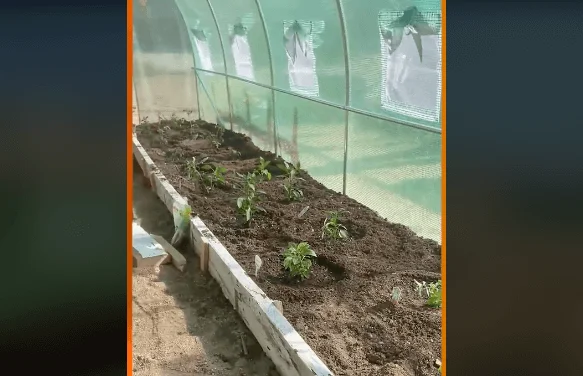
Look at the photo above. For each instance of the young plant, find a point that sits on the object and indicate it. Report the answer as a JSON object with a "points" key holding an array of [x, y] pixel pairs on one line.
{"points": [[214, 177], [218, 137], [208, 174], [297, 260], [291, 181], [261, 170], [333, 228], [396, 294], [434, 299], [247, 203], [430, 291], [194, 168]]}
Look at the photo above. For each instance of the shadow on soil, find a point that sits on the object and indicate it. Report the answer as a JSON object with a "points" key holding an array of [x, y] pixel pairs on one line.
{"points": [[209, 316]]}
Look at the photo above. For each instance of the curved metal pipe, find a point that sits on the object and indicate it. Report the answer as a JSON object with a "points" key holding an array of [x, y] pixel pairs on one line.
{"points": [[271, 74], [224, 62], [347, 87], [332, 104]]}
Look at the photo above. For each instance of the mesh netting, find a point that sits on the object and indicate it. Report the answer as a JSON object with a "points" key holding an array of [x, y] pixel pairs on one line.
{"points": [[353, 92]]}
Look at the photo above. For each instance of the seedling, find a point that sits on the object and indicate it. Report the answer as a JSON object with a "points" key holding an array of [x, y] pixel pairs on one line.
{"points": [[333, 228], [396, 294], [298, 259], [291, 181], [208, 174], [218, 138], [430, 291], [250, 196], [434, 299], [194, 168], [215, 177], [261, 170]]}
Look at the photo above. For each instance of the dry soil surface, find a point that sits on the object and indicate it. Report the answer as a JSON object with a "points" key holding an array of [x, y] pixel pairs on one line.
{"points": [[182, 324]]}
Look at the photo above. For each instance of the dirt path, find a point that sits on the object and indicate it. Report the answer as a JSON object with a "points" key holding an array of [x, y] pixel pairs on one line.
{"points": [[183, 325]]}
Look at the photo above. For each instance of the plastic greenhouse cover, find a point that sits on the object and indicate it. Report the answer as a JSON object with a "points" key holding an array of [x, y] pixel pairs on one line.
{"points": [[411, 60]]}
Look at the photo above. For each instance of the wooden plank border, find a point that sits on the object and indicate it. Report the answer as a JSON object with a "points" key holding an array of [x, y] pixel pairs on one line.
{"points": [[281, 342]]}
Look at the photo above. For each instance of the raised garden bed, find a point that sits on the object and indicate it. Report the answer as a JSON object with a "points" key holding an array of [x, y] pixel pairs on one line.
{"points": [[359, 308]]}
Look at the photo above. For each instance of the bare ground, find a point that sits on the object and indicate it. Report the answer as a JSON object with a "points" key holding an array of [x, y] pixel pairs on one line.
{"points": [[182, 323]]}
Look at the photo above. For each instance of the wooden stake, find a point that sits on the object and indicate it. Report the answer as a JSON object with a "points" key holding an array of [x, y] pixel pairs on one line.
{"points": [[204, 255], [243, 345], [152, 181], [279, 305]]}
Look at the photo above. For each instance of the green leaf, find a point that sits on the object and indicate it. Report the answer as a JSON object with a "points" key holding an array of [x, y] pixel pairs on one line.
{"points": [[311, 253], [240, 202], [343, 233], [248, 214]]}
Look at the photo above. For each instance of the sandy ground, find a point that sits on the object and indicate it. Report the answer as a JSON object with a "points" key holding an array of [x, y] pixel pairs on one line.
{"points": [[182, 323]]}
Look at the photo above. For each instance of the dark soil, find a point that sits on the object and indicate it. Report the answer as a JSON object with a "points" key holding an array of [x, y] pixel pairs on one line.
{"points": [[344, 309]]}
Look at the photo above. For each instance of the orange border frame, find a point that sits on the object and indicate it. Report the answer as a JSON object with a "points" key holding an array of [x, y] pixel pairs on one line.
{"points": [[443, 190], [129, 193], [129, 169]]}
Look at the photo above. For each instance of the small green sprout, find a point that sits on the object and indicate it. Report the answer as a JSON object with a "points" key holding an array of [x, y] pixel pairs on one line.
{"points": [[333, 228], [291, 181], [261, 170], [214, 177], [298, 259], [430, 291], [396, 294], [247, 203], [434, 299], [207, 173], [218, 137], [193, 168]]}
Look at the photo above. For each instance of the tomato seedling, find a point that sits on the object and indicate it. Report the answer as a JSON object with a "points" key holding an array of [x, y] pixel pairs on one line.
{"points": [[430, 291], [297, 259], [261, 170], [208, 174], [247, 203], [333, 228], [291, 181]]}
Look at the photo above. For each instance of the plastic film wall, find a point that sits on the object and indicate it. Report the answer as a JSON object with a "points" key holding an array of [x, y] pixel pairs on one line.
{"points": [[352, 91]]}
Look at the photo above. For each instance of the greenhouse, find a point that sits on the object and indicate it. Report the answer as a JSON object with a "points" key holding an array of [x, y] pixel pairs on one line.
{"points": [[332, 110]]}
